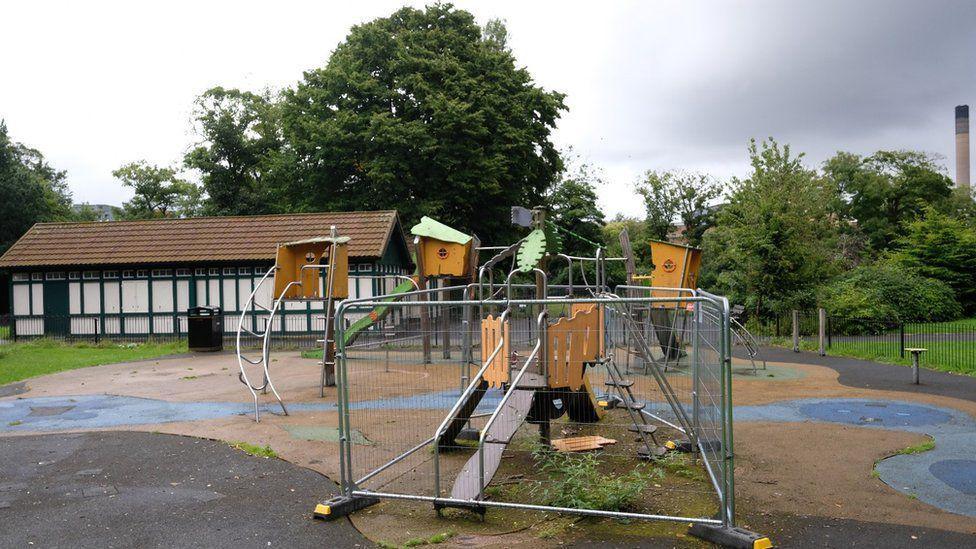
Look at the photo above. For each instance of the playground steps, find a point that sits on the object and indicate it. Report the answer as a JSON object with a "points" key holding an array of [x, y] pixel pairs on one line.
{"points": [[511, 416]]}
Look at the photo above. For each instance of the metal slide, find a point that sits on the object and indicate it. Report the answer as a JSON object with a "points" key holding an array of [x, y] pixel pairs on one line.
{"points": [[510, 416]]}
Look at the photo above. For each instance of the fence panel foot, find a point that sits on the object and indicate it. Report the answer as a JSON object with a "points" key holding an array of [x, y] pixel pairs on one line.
{"points": [[730, 536]]}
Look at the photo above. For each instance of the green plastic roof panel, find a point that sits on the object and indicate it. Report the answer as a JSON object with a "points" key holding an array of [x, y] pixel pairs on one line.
{"points": [[531, 251], [431, 228]]}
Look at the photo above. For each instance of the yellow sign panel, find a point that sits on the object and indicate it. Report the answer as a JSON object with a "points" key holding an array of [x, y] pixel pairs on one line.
{"points": [[675, 266]]}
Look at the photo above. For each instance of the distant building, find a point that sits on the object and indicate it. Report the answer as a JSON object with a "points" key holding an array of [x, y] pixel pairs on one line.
{"points": [[104, 211], [139, 277]]}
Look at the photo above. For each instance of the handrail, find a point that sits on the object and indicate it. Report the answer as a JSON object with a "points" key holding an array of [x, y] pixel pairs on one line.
{"points": [[513, 386]]}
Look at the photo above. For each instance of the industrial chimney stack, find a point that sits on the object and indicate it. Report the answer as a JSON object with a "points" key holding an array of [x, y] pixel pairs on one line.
{"points": [[962, 146]]}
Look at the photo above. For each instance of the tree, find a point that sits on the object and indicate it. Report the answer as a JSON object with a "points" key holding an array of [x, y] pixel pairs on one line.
{"points": [[240, 150], [639, 242], [941, 247], [426, 112], [879, 294], [572, 205], [885, 190], [159, 192], [686, 197], [772, 244], [573, 210], [32, 190]]}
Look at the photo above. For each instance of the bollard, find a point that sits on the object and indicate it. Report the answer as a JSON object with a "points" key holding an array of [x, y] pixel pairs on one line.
{"points": [[796, 331], [822, 330], [916, 356]]}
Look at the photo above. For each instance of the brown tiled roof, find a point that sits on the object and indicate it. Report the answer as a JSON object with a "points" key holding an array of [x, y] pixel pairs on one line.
{"points": [[197, 239]]}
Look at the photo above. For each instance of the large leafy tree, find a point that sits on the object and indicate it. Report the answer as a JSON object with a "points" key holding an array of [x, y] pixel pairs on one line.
{"points": [[773, 241], [884, 191], [240, 151], [687, 198], [31, 190], [426, 112], [159, 192], [944, 248]]}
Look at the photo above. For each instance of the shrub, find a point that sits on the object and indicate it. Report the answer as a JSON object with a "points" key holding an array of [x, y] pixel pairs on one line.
{"points": [[578, 484], [885, 293]]}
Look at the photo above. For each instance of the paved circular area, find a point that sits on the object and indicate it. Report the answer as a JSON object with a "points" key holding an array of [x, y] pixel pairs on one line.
{"points": [[121, 489]]}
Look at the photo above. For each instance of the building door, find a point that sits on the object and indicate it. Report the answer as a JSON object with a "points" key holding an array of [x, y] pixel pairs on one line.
{"points": [[56, 321]]}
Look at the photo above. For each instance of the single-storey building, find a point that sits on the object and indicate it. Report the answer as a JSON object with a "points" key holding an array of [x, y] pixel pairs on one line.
{"points": [[132, 278]]}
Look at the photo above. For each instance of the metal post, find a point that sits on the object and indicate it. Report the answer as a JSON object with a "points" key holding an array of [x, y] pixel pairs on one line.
{"points": [[901, 339], [914, 366], [822, 330], [796, 331], [95, 319], [695, 376]]}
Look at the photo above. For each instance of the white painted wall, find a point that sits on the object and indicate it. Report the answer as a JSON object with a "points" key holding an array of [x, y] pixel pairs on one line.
{"points": [[230, 295], [162, 298], [74, 298], [37, 298], [182, 295], [112, 305], [135, 297], [21, 299], [243, 292], [93, 304], [214, 299]]}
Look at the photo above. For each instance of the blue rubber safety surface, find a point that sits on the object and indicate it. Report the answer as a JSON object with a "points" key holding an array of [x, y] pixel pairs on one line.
{"points": [[944, 477]]}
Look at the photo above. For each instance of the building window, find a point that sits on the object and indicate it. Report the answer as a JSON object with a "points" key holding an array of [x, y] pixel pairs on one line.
{"points": [[128, 274], [142, 273], [90, 275], [54, 276], [200, 271], [111, 274], [74, 275], [228, 271], [21, 277], [37, 276], [214, 271], [182, 272], [162, 272], [363, 267], [244, 271]]}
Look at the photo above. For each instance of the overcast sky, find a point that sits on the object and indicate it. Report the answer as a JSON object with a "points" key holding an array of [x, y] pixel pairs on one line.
{"points": [[650, 85]]}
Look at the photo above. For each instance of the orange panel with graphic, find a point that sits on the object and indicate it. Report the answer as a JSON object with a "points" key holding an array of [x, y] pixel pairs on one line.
{"points": [[290, 260], [675, 266], [441, 258]]}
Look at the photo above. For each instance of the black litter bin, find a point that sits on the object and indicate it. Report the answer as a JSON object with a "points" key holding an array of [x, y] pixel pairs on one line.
{"points": [[205, 329]]}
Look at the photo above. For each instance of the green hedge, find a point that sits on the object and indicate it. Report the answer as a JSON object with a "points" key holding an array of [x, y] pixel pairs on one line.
{"points": [[885, 293]]}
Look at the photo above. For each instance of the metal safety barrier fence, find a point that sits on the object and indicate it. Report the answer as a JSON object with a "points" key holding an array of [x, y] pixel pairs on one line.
{"points": [[479, 404]]}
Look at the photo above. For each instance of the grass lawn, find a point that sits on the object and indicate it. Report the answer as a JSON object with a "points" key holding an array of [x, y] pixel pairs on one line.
{"points": [[36, 358], [947, 356], [961, 325]]}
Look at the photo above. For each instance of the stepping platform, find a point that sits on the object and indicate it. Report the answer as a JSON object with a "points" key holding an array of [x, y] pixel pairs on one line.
{"points": [[622, 383], [651, 453], [643, 428]]}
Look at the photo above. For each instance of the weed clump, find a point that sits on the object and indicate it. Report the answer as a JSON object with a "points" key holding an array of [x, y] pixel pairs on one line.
{"points": [[577, 483]]}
